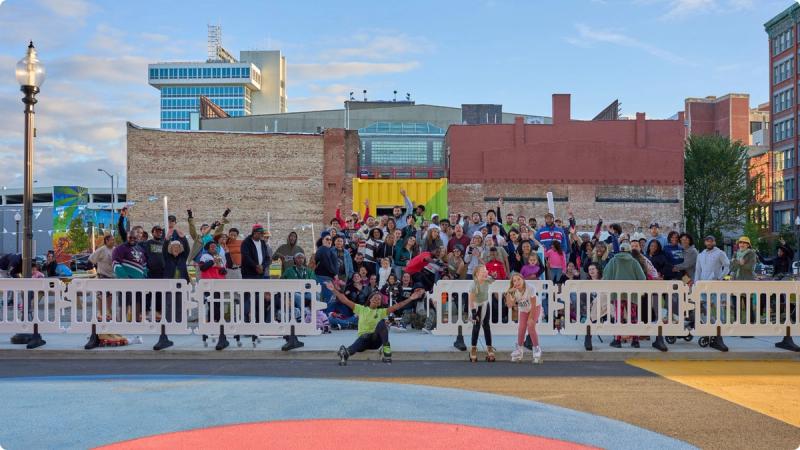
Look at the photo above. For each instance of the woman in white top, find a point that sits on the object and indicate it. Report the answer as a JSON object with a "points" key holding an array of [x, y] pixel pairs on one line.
{"points": [[522, 296]]}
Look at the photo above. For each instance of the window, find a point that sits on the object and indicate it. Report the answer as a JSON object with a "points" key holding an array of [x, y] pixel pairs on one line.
{"points": [[783, 130], [788, 188], [779, 191], [782, 41], [781, 71], [783, 218], [783, 100]]}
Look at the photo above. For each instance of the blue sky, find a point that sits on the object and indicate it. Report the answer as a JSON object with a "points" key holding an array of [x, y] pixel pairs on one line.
{"points": [[650, 54]]}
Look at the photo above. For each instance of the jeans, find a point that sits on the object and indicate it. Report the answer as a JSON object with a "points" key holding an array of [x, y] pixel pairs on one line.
{"points": [[371, 341], [326, 293], [351, 321], [555, 275]]}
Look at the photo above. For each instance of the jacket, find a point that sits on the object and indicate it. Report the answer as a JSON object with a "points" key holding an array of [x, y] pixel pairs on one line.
{"points": [[297, 273], [744, 271], [711, 265], [129, 261], [402, 221], [346, 259], [199, 241], [623, 267], [327, 262], [154, 252], [659, 261], [689, 261], [173, 264], [547, 234], [250, 260]]}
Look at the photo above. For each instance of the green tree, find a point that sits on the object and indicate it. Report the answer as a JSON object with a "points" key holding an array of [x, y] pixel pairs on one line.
{"points": [[78, 238], [717, 192]]}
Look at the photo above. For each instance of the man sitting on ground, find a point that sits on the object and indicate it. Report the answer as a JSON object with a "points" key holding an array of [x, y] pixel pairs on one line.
{"points": [[373, 332]]}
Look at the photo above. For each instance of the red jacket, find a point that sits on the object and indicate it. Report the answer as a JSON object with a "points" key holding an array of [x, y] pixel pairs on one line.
{"points": [[496, 270]]}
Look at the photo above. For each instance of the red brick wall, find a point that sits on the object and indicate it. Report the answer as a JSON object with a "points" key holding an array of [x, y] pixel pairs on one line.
{"points": [[568, 151]]}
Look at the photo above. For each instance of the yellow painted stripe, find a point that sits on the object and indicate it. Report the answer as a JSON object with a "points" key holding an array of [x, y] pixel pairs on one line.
{"points": [[769, 387]]}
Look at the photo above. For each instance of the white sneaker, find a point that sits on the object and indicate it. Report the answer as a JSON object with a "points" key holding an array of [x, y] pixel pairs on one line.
{"points": [[537, 355], [518, 353]]}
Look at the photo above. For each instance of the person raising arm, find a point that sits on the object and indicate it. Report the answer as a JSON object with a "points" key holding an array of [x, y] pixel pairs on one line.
{"points": [[373, 333]]}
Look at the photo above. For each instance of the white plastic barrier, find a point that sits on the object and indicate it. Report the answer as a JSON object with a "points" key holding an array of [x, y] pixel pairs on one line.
{"points": [[258, 307], [624, 307], [126, 306], [31, 302], [453, 296], [746, 308]]}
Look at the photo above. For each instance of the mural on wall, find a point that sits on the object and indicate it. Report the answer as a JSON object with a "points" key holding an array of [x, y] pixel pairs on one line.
{"points": [[70, 235]]}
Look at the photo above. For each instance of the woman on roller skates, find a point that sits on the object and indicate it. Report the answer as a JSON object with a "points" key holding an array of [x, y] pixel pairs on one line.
{"points": [[373, 332], [480, 307], [523, 297]]}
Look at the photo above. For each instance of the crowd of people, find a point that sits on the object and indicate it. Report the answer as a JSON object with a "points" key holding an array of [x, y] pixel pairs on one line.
{"points": [[373, 271]]}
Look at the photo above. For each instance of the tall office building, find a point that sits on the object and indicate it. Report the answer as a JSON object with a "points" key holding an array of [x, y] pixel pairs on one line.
{"points": [[255, 84], [783, 81]]}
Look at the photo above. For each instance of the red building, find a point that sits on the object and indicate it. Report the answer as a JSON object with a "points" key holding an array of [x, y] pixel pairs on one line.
{"points": [[628, 171], [727, 116]]}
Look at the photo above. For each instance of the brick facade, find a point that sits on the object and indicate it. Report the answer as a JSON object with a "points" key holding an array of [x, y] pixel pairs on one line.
{"points": [[627, 171], [298, 178], [727, 116]]}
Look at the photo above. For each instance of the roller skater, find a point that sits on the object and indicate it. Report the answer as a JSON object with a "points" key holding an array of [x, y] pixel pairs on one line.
{"points": [[373, 332], [523, 297], [479, 306]]}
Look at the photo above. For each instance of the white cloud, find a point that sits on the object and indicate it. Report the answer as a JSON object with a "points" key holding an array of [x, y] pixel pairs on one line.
{"points": [[380, 47], [588, 35], [339, 70], [680, 9], [73, 9]]}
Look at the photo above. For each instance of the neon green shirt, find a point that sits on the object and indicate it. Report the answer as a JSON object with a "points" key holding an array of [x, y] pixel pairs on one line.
{"points": [[368, 318]]}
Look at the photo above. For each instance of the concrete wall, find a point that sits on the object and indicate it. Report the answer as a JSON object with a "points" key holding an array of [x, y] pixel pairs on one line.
{"points": [[293, 177], [307, 122]]}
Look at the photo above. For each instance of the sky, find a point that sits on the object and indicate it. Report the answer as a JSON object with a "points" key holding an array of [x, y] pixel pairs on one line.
{"points": [[649, 54]]}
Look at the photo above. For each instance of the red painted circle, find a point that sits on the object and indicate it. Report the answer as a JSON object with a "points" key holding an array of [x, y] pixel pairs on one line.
{"points": [[334, 434]]}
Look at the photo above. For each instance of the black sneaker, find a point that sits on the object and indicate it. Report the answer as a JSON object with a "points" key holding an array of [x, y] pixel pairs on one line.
{"points": [[343, 355], [616, 343], [635, 344]]}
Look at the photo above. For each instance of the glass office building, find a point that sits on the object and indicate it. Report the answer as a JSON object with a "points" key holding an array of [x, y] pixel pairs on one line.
{"points": [[402, 150], [228, 85]]}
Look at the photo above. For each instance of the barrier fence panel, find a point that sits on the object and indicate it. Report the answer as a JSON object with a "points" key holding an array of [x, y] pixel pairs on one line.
{"points": [[453, 296], [625, 307], [111, 306], [258, 307], [746, 308], [28, 302]]}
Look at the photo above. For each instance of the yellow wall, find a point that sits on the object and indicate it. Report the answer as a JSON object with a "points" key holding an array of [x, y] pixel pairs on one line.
{"points": [[386, 194]]}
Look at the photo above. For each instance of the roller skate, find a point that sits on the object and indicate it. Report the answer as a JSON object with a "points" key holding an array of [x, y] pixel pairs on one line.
{"points": [[112, 340], [537, 355], [386, 354], [518, 354], [490, 354], [343, 355], [473, 354]]}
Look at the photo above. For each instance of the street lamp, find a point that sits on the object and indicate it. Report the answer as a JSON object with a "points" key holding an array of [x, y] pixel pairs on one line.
{"points": [[113, 197], [17, 218], [30, 75]]}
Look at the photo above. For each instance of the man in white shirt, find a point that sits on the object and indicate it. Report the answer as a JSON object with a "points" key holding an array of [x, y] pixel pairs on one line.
{"points": [[712, 263]]}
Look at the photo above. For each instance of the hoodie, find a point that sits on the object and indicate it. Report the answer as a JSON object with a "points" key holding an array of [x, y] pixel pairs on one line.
{"points": [[623, 267]]}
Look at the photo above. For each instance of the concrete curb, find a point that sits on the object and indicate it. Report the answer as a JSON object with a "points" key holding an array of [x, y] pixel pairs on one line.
{"points": [[259, 354]]}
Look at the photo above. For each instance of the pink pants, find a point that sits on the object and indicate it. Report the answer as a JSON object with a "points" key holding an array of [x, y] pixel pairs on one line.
{"points": [[621, 315], [524, 326]]}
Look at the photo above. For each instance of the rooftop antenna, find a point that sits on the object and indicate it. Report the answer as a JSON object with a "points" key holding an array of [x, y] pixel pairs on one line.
{"points": [[408, 96], [214, 42], [351, 96], [365, 95], [395, 95]]}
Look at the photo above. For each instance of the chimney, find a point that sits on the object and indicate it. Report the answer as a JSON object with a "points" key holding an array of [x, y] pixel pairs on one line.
{"points": [[519, 132], [641, 130], [561, 105]]}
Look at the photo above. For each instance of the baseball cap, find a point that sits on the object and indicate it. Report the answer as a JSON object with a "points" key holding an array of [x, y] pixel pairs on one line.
{"points": [[434, 215], [258, 227], [299, 255], [477, 234], [625, 247], [654, 224], [172, 218], [710, 238]]}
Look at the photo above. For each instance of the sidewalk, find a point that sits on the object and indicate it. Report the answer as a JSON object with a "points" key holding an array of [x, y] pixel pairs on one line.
{"points": [[410, 345]]}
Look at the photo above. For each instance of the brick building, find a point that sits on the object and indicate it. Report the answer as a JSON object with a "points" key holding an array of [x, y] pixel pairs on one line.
{"points": [[627, 171], [298, 178], [727, 116], [783, 50]]}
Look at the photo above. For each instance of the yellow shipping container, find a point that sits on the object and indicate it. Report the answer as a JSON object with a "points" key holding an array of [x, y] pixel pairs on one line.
{"points": [[384, 194]]}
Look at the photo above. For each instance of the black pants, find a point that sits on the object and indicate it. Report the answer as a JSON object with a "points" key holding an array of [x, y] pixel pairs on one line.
{"points": [[476, 328], [371, 341]]}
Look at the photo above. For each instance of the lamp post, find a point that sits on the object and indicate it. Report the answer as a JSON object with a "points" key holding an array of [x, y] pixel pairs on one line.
{"points": [[30, 75], [17, 218], [113, 198]]}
